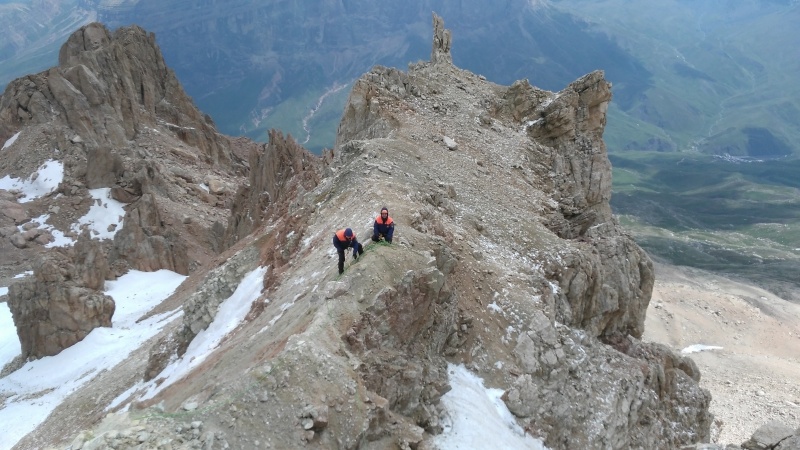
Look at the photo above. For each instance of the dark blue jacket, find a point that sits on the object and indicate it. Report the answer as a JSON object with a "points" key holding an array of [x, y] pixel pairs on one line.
{"points": [[345, 243], [384, 228]]}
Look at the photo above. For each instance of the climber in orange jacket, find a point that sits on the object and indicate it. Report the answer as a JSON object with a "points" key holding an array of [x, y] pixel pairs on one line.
{"points": [[344, 239], [383, 228]]}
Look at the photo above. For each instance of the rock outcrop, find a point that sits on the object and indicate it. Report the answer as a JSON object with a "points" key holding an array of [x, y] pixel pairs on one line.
{"points": [[62, 302], [108, 89], [148, 242], [115, 116], [281, 171], [506, 259], [773, 435], [442, 39]]}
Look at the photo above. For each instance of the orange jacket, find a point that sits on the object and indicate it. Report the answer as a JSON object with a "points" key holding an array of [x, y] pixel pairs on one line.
{"points": [[380, 221], [385, 228], [342, 238], [341, 242]]}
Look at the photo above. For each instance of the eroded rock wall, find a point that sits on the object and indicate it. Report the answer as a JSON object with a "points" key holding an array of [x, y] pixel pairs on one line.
{"points": [[115, 116], [281, 171], [61, 304]]}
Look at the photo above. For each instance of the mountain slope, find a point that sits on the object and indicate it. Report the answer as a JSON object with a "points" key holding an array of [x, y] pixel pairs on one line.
{"points": [[528, 282]]}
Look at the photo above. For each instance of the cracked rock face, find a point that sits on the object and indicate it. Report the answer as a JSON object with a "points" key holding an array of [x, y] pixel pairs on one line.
{"points": [[114, 116], [60, 304], [506, 259]]}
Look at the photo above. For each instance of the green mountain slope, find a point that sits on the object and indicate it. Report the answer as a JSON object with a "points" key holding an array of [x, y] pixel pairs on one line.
{"points": [[723, 74], [723, 83], [722, 214]]}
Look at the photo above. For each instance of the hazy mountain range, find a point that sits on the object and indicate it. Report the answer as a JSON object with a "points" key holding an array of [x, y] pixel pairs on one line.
{"points": [[700, 89], [716, 76]]}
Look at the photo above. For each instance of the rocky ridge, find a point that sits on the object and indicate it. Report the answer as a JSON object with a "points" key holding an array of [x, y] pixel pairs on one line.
{"points": [[507, 259]]}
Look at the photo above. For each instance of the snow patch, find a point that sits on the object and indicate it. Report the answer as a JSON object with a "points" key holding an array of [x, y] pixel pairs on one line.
{"points": [[105, 216], [696, 348], [10, 347], [495, 307], [38, 387], [44, 181], [231, 313], [11, 140], [476, 417]]}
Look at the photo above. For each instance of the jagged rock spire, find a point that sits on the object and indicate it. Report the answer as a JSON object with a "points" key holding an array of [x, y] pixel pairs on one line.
{"points": [[441, 42]]}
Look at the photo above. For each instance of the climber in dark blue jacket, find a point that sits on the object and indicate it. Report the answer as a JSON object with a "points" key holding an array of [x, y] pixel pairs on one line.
{"points": [[344, 239], [383, 228]]}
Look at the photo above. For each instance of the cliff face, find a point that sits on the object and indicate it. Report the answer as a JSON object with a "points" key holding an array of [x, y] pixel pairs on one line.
{"points": [[506, 259], [115, 118]]}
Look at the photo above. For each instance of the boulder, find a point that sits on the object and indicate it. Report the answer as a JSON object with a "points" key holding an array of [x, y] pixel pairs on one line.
{"points": [[52, 310]]}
